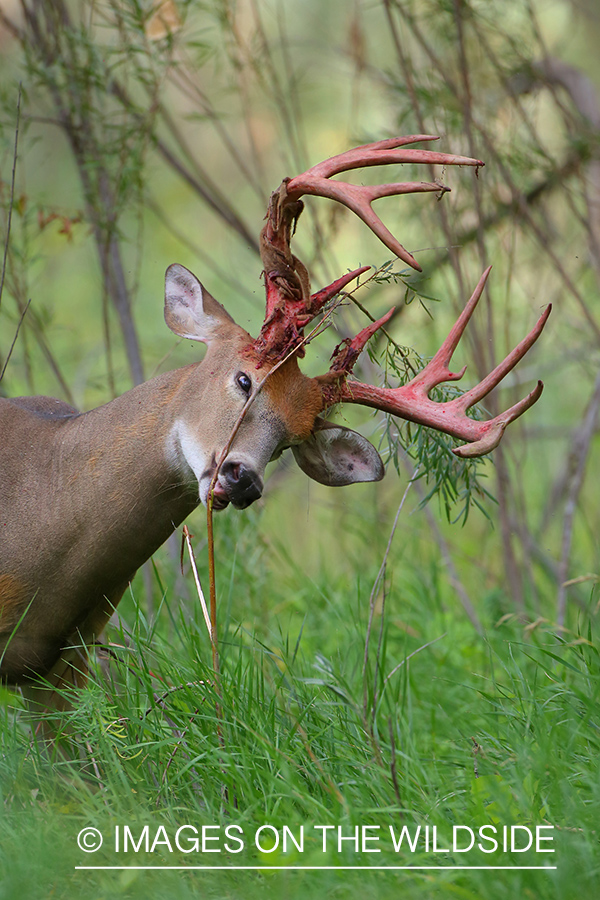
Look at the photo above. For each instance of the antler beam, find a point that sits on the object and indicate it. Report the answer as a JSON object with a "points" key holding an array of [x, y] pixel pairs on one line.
{"points": [[412, 402]]}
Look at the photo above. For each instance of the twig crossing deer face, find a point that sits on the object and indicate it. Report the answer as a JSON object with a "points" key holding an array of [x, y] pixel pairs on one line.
{"points": [[85, 499]]}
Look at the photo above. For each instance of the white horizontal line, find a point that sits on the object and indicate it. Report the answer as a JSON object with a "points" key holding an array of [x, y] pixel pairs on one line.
{"points": [[328, 868]]}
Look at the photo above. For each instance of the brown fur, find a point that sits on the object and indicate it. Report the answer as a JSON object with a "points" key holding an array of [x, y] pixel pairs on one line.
{"points": [[298, 399], [13, 601]]}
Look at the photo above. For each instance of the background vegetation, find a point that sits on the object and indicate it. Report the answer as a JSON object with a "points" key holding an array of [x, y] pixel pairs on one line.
{"points": [[376, 668]]}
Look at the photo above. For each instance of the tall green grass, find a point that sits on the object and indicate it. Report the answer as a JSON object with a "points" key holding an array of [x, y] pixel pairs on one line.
{"points": [[300, 731]]}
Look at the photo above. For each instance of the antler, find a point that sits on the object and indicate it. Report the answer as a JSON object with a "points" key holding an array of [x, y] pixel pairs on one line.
{"points": [[359, 198], [411, 401], [290, 306]]}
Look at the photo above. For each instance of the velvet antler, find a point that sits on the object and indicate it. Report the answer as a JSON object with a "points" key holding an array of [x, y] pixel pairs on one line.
{"points": [[291, 306]]}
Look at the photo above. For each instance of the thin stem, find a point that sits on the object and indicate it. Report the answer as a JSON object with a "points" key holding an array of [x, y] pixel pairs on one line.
{"points": [[410, 656], [207, 619], [213, 590], [213, 616], [374, 590], [12, 346], [11, 202]]}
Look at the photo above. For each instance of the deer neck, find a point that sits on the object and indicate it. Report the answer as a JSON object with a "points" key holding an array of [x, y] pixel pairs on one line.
{"points": [[123, 483]]}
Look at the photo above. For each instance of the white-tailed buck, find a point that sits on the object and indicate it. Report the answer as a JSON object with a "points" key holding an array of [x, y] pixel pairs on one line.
{"points": [[86, 498]]}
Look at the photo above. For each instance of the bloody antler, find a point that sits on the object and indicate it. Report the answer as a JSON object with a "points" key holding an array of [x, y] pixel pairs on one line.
{"points": [[411, 401], [290, 306], [359, 198]]}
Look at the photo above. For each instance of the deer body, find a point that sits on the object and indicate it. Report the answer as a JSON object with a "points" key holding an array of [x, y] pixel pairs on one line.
{"points": [[79, 516], [85, 499]]}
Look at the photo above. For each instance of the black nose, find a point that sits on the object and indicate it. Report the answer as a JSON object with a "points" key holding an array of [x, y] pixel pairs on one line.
{"points": [[244, 486]]}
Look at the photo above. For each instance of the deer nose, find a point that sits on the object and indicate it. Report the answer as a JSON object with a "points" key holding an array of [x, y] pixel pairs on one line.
{"points": [[243, 485]]}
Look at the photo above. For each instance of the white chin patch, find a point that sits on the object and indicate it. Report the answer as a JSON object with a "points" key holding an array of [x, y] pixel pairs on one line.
{"points": [[184, 452], [203, 487]]}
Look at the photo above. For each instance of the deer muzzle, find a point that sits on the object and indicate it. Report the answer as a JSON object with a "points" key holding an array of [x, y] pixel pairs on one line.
{"points": [[241, 484]]}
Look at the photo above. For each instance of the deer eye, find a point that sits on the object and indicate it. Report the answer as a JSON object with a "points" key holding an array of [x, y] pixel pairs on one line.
{"points": [[244, 382]]}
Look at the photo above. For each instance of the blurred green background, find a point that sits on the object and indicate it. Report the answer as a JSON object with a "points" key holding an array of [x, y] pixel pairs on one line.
{"points": [[153, 133]]}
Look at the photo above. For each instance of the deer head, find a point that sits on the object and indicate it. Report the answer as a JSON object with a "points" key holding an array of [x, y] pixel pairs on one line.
{"points": [[261, 377]]}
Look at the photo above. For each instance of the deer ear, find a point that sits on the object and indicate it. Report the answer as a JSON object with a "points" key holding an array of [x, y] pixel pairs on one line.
{"points": [[336, 456], [190, 311]]}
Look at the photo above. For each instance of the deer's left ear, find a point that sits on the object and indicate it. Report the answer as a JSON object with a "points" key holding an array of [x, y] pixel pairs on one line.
{"points": [[336, 456], [190, 310]]}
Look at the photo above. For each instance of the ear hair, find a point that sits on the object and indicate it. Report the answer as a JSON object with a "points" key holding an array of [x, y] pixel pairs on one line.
{"points": [[336, 455], [190, 311]]}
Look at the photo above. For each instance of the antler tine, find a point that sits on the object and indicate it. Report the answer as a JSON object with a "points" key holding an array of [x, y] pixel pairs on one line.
{"points": [[358, 198], [382, 153], [481, 390], [323, 167], [436, 371], [412, 402], [494, 428]]}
